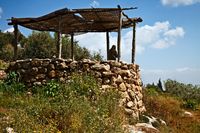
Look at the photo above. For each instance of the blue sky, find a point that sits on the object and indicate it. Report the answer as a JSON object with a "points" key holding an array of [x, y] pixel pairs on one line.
{"points": [[167, 40]]}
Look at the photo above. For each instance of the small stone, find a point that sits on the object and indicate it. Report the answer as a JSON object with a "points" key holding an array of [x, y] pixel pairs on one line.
{"points": [[106, 81], [122, 102], [86, 67], [122, 87], [25, 65], [142, 109], [124, 67], [128, 111], [105, 87], [73, 64], [100, 67], [131, 94], [108, 74], [88, 61], [62, 79], [40, 76], [3, 75], [119, 80], [42, 69], [62, 66], [124, 95], [9, 130], [52, 74], [51, 67], [34, 70], [115, 63], [130, 104], [37, 83], [128, 86], [140, 103], [36, 62], [124, 73]]}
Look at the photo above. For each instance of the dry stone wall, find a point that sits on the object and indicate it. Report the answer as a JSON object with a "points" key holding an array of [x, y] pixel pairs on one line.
{"points": [[110, 74]]}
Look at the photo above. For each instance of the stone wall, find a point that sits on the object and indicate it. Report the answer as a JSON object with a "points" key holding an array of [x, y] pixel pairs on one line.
{"points": [[110, 74]]}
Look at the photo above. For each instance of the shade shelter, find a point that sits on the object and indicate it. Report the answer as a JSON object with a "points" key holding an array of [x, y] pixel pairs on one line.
{"points": [[79, 21]]}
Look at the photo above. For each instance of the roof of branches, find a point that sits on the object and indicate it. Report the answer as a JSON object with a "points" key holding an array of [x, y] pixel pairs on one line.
{"points": [[78, 20]]}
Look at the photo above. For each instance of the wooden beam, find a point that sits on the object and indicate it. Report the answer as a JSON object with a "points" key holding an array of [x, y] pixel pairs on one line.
{"points": [[72, 46], [108, 43], [59, 45], [133, 43], [119, 34], [15, 40]]}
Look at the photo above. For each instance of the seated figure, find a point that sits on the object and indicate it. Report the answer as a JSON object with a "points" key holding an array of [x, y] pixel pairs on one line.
{"points": [[112, 53]]}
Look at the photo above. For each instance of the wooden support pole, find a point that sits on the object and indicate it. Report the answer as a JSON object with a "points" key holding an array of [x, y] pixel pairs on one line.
{"points": [[119, 34], [72, 46], [133, 43], [108, 43], [15, 40], [59, 45]]}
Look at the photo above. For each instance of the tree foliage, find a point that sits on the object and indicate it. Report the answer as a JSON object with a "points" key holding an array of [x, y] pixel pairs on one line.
{"points": [[41, 45]]}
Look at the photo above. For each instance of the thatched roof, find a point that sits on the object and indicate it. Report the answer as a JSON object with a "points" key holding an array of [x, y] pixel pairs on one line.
{"points": [[78, 20]]}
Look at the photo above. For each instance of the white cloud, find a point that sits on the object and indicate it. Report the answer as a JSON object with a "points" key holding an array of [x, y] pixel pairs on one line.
{"points": [[185, 75], [182, 69], [9, 30], [158, 36], [94, 3], [176, 3], [1, 11]]}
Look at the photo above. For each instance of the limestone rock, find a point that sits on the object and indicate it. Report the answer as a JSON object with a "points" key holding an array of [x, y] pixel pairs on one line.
{"points": [[187, 114], [3, 75], [122, 87], [10, 130], [115, 63], [34, 70], [119, 80], [52, 74], [51, 67], [128, 111], [86, 67], [146, 128], [124, 73], [40, 76], [131, 94], [108, 74], [88, 61], [73, 64], [100, 67], [130, 104], [62, 66]]}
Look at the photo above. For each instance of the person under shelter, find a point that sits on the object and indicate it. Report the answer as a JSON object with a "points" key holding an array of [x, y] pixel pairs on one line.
{"points": [[112, 53]]}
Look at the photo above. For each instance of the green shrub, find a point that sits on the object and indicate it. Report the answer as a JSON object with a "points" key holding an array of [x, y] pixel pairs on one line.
{"points": [[51, 89], [11, 78], [190, 104], [3, 65], [71, 107]]}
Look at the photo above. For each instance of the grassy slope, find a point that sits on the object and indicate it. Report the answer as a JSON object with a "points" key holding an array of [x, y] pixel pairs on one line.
{"points": [[171, 109], [60, 108]]}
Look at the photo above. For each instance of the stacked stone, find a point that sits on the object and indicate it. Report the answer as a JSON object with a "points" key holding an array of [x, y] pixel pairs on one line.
{"points": [[125, 78]]}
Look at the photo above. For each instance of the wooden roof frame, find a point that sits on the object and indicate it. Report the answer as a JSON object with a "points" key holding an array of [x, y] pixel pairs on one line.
{"points": [[78, 21]]}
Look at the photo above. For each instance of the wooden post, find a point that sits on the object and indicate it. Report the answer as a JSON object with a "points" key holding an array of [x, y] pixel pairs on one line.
{"points": [[119, 34], [59, 43], [72, 46], [108, 43], [133, 43], [15, 40]]}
